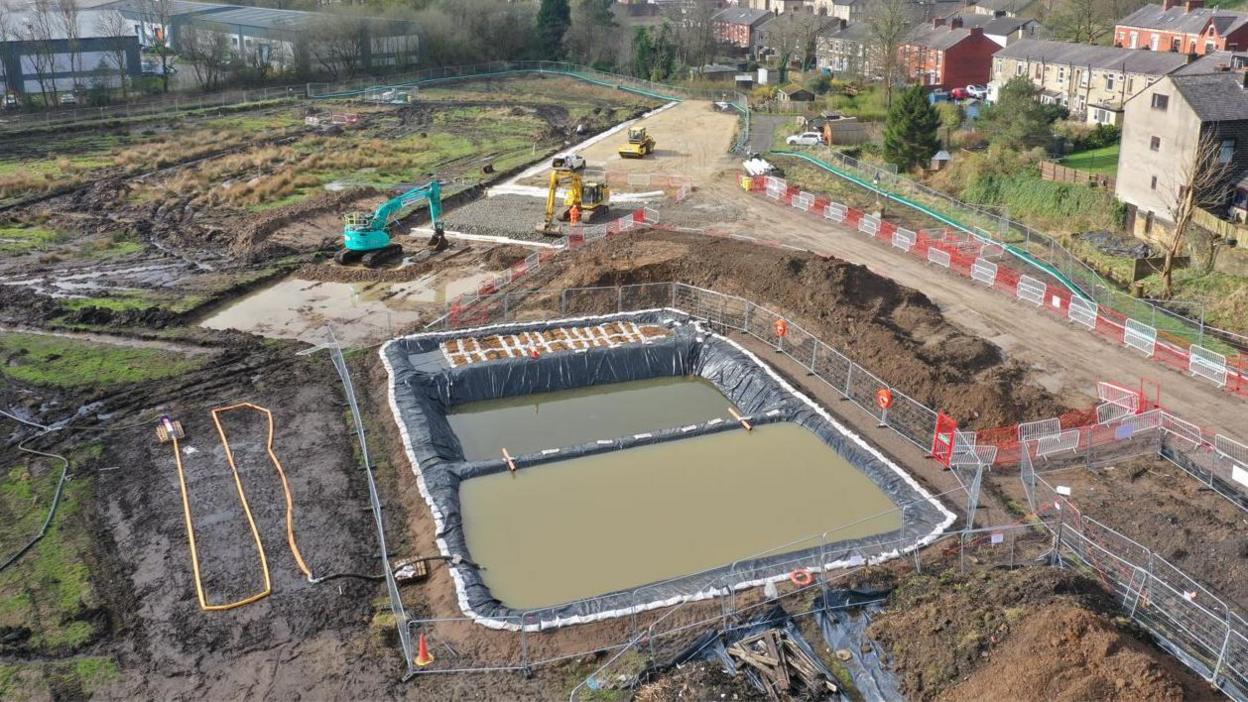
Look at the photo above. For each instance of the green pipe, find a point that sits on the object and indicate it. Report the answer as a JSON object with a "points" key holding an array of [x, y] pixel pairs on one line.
{"points": [[1014, 251]]}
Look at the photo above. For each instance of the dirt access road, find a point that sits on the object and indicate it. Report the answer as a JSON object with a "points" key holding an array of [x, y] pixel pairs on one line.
{"points": [[1066, 361], [691, 139]]}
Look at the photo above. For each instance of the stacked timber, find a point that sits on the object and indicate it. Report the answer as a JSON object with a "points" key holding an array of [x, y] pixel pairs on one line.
{"points": [[785, 668]]}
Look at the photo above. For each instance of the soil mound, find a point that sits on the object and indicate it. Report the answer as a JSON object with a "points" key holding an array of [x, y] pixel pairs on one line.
{"points": [[895, 332], [1031, 633]]}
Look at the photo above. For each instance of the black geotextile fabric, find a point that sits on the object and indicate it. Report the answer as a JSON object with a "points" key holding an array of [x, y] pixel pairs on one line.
{"points": [[424, 389]]}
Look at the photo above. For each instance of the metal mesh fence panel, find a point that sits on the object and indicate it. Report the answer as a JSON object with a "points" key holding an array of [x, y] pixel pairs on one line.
{"points": [[589, 301], [832, 368], [912, 420], [863, 387], [645, 296]]}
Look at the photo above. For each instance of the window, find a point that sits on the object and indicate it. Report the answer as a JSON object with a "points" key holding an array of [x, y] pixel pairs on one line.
{"points": [[1109, 81], [1153, 185], [1160, 102], [1135, 40], [1176, 45], [1227, 151], [1154, 144], [1208, 47], [1019, 69], [1153, 43], [1061, 75]]}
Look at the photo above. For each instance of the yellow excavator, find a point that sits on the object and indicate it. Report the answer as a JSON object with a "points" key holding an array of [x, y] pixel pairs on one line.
{"points": [[585, 202], [639, 144]]}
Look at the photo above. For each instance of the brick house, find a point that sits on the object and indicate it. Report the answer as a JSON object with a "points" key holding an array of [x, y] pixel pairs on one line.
{"points": [[735, 26], [1186, 28], [1161, 131], [1092, 82], [847, 50], [945, 54]]}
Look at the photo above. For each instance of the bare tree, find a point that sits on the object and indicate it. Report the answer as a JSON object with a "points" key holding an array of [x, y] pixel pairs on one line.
{"points": [[335, 42], [115, 27], [208, 54], [67, 19], [157, 16], [39, 30], [8, 32], [888, 22], [1202, 182]]}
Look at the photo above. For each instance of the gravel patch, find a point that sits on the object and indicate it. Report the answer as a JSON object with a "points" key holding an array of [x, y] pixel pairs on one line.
{"points": [[511, 216]]}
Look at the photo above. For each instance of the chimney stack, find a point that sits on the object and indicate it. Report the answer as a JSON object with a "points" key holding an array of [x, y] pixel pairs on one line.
{"points": [[1193, 5], [955, 23], [1167, 4], [938, 22]]}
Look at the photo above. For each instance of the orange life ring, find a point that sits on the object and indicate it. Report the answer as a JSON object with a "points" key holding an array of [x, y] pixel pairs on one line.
{"points": [[782, 328], [535, 354], [801, 577], [884, 398]]}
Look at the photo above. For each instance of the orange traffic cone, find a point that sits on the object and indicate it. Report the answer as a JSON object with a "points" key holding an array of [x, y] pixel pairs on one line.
{"points": [[423, 657]]}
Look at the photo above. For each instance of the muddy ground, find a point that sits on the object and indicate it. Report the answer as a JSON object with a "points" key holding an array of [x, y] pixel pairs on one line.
{"points": [[147, 265]]}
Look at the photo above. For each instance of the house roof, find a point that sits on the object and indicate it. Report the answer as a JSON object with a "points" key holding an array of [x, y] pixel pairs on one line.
{"points": [[1006, 5], [1214, 97], [857, 31], [1127, 60], [938, 38], [741, 15], [176, 8], [1178, 19], [782, 22], [1215, 61]]}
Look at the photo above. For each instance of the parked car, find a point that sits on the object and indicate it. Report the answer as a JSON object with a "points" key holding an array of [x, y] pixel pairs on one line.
{"points": [[938, 95], [979, 92], [959, 94], [805, 139], [68, 99]]}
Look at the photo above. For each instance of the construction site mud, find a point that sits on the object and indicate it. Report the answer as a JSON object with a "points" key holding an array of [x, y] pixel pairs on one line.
{"points": [[128, 248]]}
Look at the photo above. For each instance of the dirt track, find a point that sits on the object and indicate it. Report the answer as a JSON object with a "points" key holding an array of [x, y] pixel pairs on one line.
{"points": [[1066, 361]]}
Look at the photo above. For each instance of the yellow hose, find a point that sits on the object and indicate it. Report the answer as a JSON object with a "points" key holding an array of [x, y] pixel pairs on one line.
{"points": [[242, 496]]}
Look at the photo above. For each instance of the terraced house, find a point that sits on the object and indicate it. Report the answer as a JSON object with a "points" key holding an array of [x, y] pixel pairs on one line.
{"points": [[945, 54], [1183, 27], [1093, 82]]}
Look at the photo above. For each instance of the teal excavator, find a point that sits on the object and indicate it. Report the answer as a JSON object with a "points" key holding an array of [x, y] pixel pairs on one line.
{"points": [[367, 236]]}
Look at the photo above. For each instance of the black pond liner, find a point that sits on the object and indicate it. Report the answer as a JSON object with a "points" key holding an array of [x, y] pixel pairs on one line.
{"points": [[423, 388]]}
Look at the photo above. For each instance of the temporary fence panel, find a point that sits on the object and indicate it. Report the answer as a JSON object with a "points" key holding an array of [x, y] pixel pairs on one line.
{"points": [[834, 211], [1141, 336], [943, 441], [869, 224], [1031, 290], [1109, 412], [984, 271], [1207, 364], [1065, 441], [904, 239], [1030, 431], [1234, 456], [803, 201], [1082, 312], [937, 256], [1182, 430], [1118, 395]]}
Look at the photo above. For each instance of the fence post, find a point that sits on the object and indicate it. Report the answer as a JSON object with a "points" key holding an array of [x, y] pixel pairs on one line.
{"points": [[1226, 642], [563, 301], [619, 299], [849, 379], [814, 349]]}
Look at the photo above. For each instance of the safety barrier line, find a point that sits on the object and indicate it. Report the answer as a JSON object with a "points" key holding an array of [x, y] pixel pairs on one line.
{"points": [[1110, 324], [190, 532]]}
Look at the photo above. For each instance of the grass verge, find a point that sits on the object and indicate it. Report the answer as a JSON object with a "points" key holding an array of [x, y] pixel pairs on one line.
{"points": [[60, 362], [1103, 160]]}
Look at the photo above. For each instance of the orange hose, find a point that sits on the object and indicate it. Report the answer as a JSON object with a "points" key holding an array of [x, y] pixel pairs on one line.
{"points": [[251, 522]]}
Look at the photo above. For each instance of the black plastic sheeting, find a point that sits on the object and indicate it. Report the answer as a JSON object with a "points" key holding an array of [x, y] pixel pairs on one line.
{"points": [[843, 617], [423, 388]]}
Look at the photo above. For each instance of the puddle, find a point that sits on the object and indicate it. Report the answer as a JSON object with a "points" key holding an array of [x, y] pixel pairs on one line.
{"points": [[360, 313], [530, 423], [588, 526]]}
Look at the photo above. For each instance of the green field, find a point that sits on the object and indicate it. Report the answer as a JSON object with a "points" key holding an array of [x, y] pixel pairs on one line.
{"points": [[54, 361], [1103, 160]]}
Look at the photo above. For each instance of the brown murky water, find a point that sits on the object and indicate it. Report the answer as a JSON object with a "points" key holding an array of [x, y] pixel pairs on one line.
{"points": [[531, 423], [564, 531]]}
